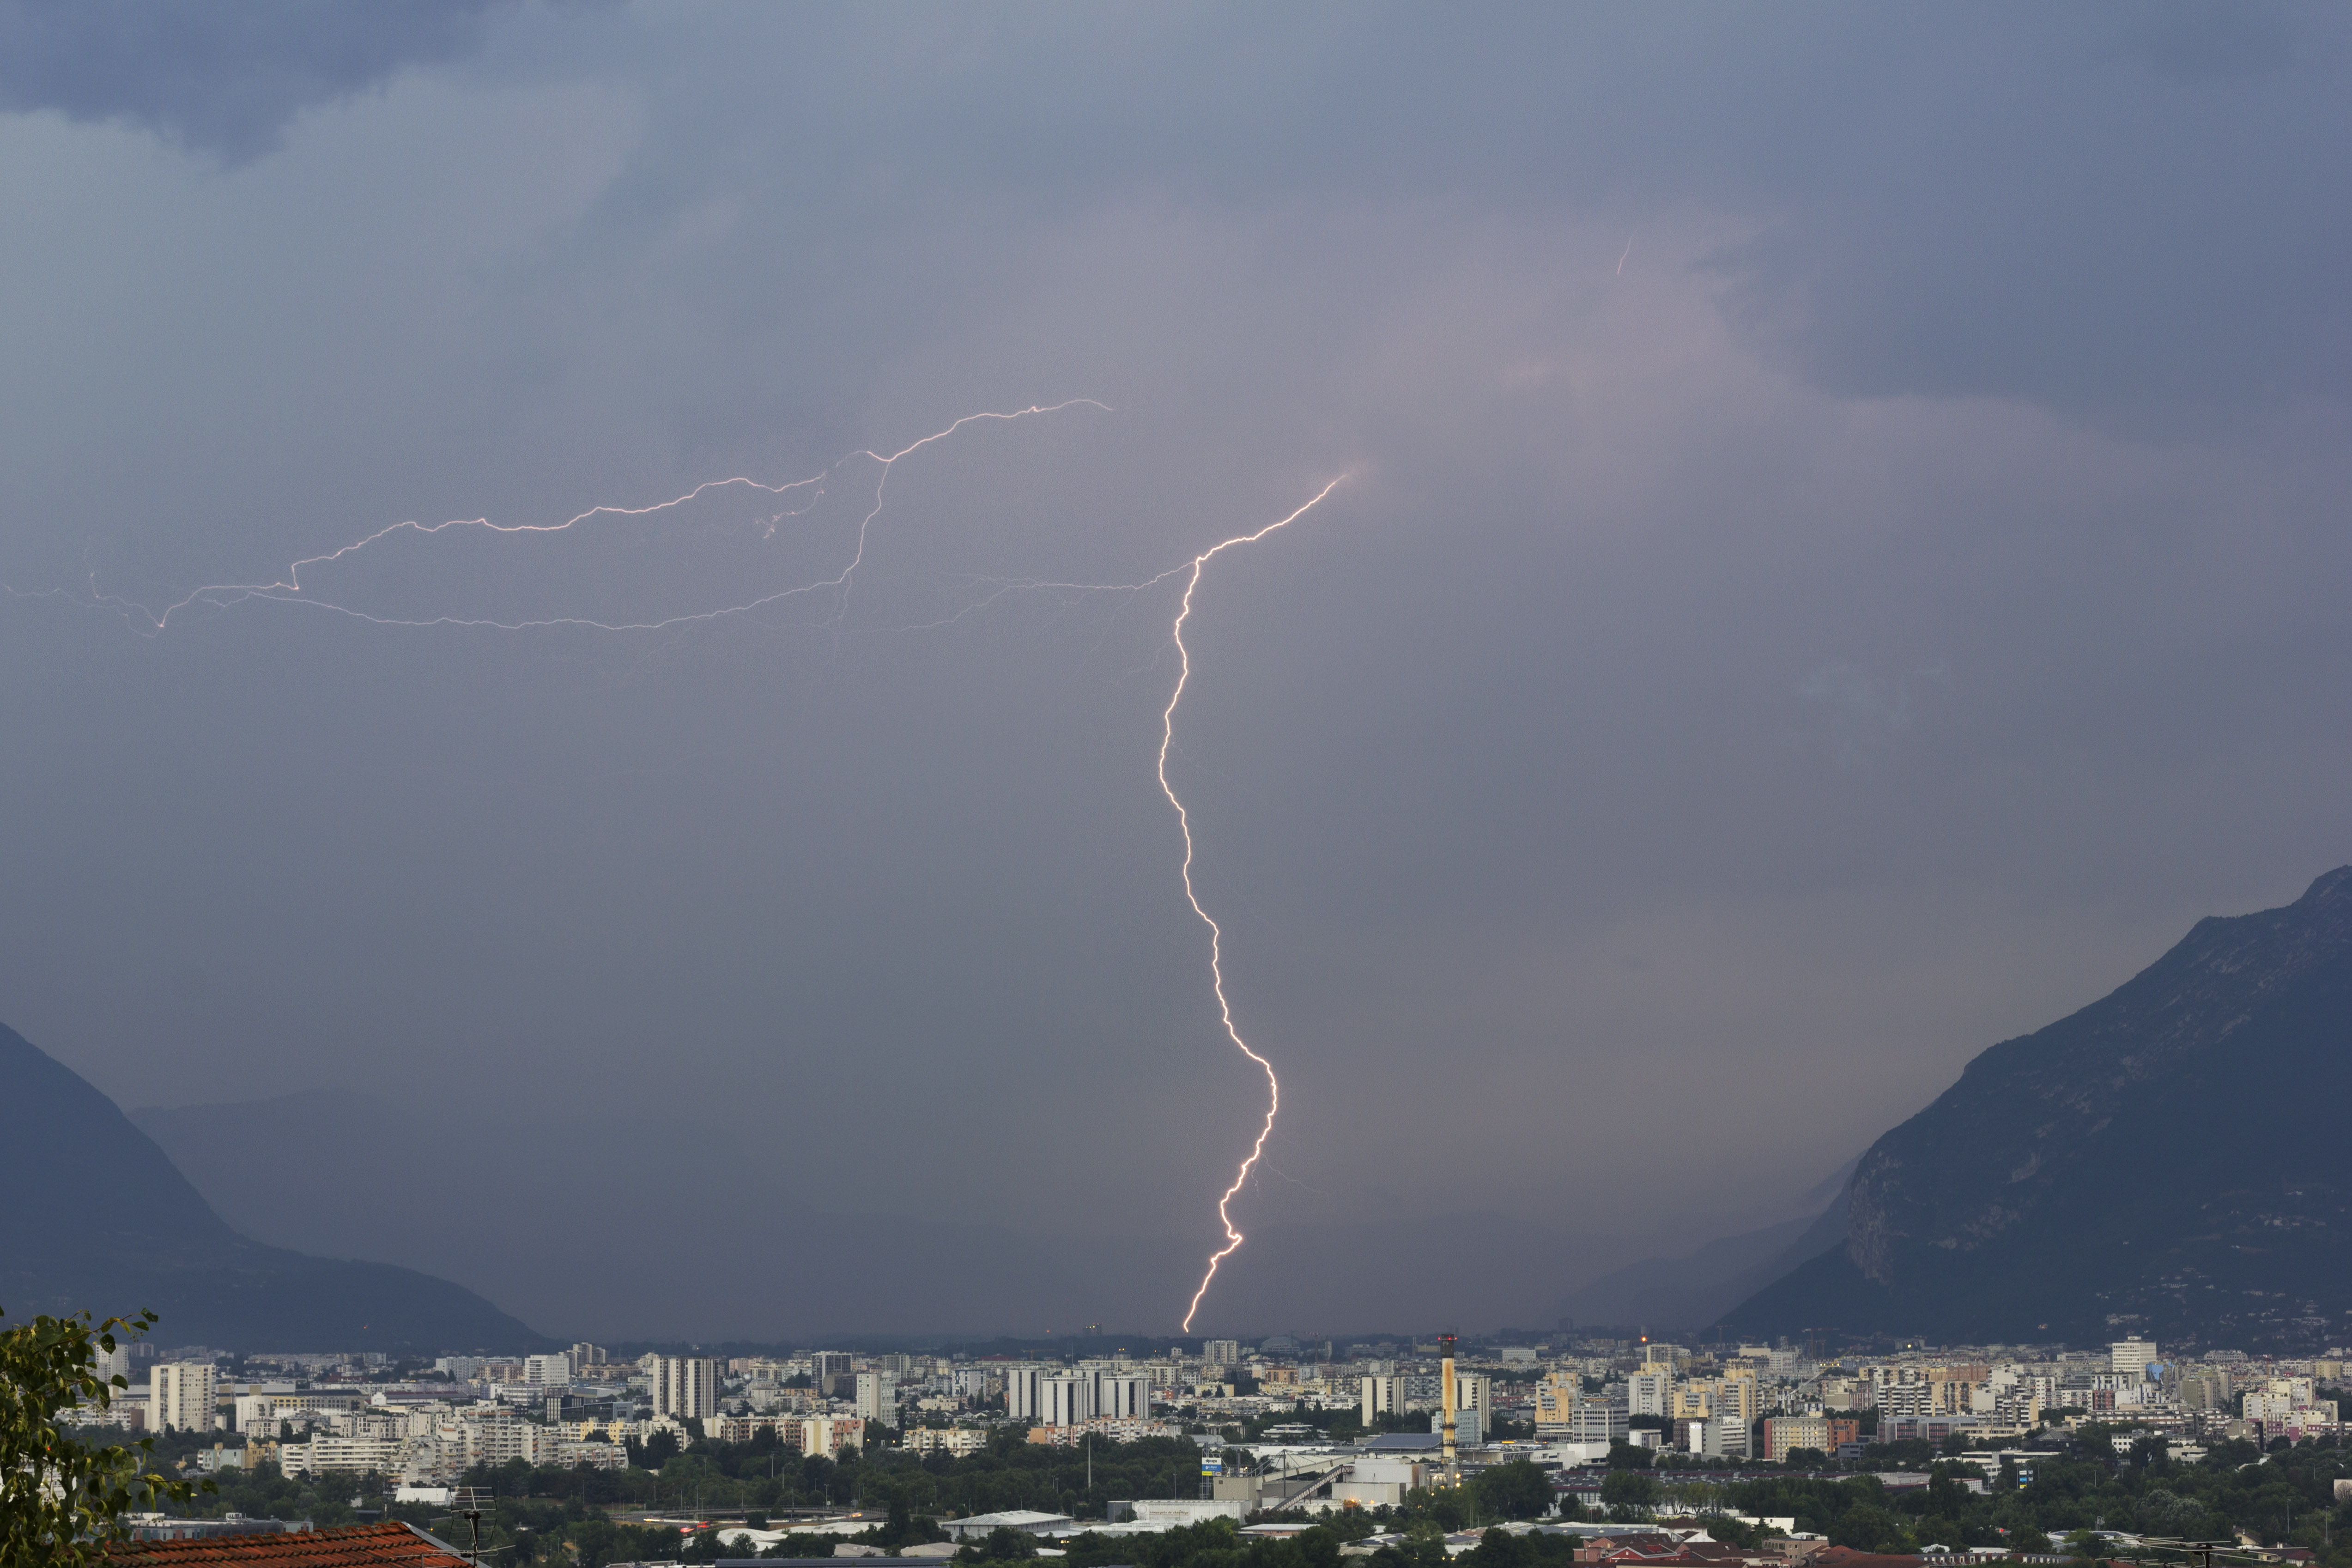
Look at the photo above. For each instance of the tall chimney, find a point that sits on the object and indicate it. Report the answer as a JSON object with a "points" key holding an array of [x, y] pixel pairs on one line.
{"points": [[1446, 1396]]}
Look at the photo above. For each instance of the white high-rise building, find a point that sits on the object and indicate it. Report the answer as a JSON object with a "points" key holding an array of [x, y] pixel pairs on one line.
{"points": [[1649, 1391], [181, 1394], [878, 1398], [686, 1387], [1023, 1392], [1598, 1421], [1220, 1353], [1122, 1395], [547, 1371], [1066, 1401], [1379, 1396], [2131, 1355]]}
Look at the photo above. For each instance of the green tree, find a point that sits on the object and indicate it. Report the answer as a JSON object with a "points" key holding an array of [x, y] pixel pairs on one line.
{"points": [[1442, 1508], [1424, 1546], [654, 1452], [1736, 1532], [1629, 1489], [1514, 1490], [1866, 1527], [58, 1497], [1004, 1544]]}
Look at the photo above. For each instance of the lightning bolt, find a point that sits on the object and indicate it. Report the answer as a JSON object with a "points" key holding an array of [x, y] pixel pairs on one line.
{"points": [[1216, 933], [289, 590]]}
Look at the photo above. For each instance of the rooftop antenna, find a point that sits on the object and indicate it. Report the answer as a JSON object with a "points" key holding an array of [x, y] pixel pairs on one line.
{"points": [[470, 1502]]}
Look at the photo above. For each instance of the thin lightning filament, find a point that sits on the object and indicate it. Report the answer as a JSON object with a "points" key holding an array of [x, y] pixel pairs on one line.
{"points": [[289, 590]]}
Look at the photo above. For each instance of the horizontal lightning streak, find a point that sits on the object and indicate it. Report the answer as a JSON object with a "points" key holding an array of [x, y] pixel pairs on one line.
{"points": [[289, 590], [1216, 933]]}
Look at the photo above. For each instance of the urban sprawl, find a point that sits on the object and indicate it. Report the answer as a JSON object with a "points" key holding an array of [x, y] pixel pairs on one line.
{"points": [[1607, 1439]]}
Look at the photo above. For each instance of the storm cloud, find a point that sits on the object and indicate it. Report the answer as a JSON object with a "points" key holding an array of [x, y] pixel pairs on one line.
{"points": [[222, 78], [1841, 563]]}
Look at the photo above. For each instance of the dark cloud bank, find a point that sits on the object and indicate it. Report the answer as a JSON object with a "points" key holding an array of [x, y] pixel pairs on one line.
{"points": [[223, 78], [1843, 564]]}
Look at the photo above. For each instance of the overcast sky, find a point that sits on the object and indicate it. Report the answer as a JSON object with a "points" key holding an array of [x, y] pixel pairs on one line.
{"points": [[1842, 558]]}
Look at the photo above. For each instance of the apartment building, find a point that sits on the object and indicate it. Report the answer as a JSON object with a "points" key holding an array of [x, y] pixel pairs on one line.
{"points": [[1066, 1401], [1651, 1391], [1785, 1434], [685, 1387], [322, 1454], [1598, 1420], [1024, 1390], [181, 1396], [831, 1371], [261, 1415], [878, 1398], [2287, 1400], [1557, 1398], [832, 1434], [1122, 1395], [2207, 1388]]}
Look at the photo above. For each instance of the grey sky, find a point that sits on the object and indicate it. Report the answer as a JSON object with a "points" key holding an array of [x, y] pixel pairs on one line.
{"points": [[1733, 688]]}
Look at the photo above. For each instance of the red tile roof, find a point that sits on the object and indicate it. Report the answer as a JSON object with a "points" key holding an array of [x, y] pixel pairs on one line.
{"points": [[1847, 1557], [362, 1543]]}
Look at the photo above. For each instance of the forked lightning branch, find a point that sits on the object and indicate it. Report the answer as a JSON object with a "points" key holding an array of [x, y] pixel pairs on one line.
{"points": [[795, 498]]}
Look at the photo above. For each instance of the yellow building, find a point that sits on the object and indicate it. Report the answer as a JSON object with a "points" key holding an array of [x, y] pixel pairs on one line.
{"points": [[1556, 1398], [1739, 1396]]}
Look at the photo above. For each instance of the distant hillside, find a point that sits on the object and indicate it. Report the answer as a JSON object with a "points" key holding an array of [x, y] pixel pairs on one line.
{"points": [[1693, 1290], [2164, 1161], [97, 1216]]}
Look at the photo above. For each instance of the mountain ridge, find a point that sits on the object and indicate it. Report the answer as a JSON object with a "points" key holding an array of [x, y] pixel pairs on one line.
{"points": [[2088, 1178], [100, 1218]]}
